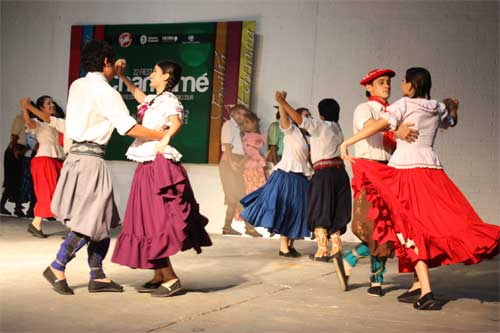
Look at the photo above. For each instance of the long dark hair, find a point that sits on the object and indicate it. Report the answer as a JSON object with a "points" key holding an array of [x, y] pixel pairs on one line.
{"points": [[420, 80], [175, 72]]}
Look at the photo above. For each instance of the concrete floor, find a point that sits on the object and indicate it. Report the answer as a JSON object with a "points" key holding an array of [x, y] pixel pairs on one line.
{"points": [[237, 285]]}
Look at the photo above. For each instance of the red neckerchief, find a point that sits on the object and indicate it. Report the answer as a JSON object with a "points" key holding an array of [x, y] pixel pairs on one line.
{"points": [[389, 137]]}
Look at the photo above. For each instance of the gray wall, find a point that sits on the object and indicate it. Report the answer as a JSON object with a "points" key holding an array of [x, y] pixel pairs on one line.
{"points": [[313, 49]]}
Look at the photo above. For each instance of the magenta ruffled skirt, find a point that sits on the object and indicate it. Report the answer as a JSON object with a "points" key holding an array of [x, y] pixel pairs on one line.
{"points": [[162, 217]]}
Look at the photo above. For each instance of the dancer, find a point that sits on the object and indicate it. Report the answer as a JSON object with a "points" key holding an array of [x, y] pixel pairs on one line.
{"points": [[12, 168], [48, 161], [281, 204], [162, 215], [329, 196], [231, 169], [254, 163], [415, 204], [83, 198], [377, 148]]}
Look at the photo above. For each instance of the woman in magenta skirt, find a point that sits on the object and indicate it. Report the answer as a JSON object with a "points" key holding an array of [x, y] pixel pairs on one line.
{"points": [[162, 215]]}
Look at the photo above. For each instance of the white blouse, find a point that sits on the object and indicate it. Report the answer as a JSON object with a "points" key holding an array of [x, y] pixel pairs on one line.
{"points": [[47, 135], [156, 118], [371, 148], [428, 116], [295, 151], [326, 137]]}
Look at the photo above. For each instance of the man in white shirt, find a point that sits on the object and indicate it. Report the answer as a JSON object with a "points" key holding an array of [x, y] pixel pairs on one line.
{"points": [[231, 169], [83, 198], [378, 148]]}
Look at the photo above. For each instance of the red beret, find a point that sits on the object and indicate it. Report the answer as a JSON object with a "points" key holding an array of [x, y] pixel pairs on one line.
{"points": [[372, 75]]}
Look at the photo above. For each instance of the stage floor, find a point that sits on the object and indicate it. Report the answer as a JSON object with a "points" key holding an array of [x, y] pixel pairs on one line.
{"points": [[238, 285]]}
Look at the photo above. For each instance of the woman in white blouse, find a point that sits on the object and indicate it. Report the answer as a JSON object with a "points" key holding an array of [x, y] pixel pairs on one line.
{"points": [[415, 204], [47, 126], [281, 204], [162, 215]]}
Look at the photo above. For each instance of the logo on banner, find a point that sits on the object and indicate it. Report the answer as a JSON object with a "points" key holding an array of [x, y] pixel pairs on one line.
{"points": [[143, 39], [125, 39]]}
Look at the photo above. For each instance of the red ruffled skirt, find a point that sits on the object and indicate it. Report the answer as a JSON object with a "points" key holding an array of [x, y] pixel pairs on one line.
{"points": [[45, 172], [162, 217], [425, 215]]}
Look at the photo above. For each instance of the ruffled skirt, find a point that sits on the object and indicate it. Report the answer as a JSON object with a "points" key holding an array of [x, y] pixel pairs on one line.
{"points": [[425, 215], [162, 217]]}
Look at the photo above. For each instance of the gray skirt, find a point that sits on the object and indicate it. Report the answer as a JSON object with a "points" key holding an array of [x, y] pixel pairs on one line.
{"points": [[83, 198]]}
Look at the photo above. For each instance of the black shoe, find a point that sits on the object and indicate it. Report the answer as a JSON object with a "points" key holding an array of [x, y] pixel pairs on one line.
{"points": [[149, 287], [4, 211], [164, 291], [99, 287], [338, 261], [409, 296], [19, 213], [427, 302], [230, 232], [61, 286], [320, 259], [253, 233], [375, 291], [35, 232], [295, 252], [288, 254]]}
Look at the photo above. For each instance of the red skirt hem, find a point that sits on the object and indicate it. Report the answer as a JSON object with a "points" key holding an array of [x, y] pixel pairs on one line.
{"points": [[425, 215]]}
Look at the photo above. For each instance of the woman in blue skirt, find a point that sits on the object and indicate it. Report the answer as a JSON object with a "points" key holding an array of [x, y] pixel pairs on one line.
{"points": [[281, 204]]}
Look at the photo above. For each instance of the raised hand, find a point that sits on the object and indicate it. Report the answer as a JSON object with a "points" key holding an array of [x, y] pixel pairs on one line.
{"points": [[120, 66], [24, 102]]}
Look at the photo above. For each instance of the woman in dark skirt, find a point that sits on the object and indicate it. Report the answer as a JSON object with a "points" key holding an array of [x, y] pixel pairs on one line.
{"points": [[329, 196], [162, 215], [281, 204]]}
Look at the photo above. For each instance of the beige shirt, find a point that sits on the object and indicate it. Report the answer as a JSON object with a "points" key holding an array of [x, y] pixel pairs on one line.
{"points": [[373, 147], [18, 128], [95, 109]]}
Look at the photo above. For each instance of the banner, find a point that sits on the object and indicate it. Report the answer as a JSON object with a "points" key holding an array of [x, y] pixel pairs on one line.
{"points": [[204, 50]]}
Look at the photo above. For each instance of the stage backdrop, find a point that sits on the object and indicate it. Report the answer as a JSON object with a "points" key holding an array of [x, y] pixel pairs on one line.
{"points": [[217, 61]]}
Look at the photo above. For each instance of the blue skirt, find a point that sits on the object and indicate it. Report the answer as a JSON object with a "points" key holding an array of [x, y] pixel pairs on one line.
{"points": [[280, 205]]}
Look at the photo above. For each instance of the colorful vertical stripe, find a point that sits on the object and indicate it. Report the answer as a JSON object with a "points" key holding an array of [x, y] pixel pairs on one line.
{"points": [[233, 65], [246, 63], [216, 113]]}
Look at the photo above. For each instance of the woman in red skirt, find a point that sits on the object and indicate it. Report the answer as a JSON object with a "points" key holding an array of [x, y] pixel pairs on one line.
{"points": [[414, 203], [47, 125]]}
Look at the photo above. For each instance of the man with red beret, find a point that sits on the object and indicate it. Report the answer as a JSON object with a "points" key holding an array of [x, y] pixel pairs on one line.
{"points": [[378, 147]]}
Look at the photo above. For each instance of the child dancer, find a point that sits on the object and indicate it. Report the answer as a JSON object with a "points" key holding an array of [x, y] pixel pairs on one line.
{"points": [[253, 174], [47, 163], [275, 141], [377, 148], [231, 168], [83, 198], [162, 215], [415, 204], [329, 197], [281, 204]]}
